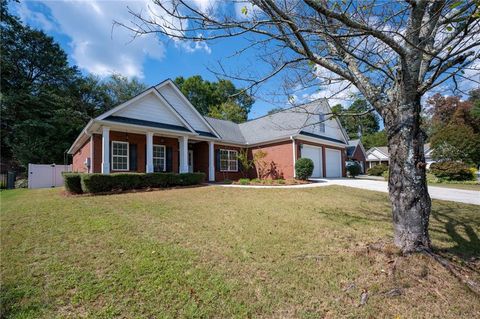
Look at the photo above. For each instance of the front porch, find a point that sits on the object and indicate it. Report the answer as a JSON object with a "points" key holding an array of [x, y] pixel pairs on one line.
{"points": [[116, 151]]}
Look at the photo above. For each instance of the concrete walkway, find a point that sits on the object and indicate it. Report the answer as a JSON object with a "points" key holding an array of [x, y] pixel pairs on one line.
{"points": [[443, 193]]}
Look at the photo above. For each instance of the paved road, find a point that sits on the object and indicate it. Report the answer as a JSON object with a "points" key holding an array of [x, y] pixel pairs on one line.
{"points": [[451, 194]]}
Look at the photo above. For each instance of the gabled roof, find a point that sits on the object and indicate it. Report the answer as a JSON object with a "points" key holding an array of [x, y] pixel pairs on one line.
{"points": [[384, 150], [151, 90], [179, 115], [289, 122], [228, 130]]}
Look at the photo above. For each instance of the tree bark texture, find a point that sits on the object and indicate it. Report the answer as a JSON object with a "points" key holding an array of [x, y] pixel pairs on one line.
{"points": [[407, 176]]}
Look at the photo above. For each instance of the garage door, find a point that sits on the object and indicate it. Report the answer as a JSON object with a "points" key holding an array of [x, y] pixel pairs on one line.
{"points": [[333, 163], [315, 154]]}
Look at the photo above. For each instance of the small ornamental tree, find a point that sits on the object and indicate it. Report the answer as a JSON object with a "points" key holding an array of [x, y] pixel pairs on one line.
{"points": [[259, 163], [245, 162], [304, 168], [353, 169]]}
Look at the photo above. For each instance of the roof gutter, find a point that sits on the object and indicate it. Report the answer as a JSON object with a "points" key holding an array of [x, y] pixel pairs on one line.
{"points": [[82, 133]]}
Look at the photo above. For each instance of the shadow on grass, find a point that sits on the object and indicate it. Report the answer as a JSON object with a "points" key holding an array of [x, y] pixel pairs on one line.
{"points": [[129, 191], [460, 230]]}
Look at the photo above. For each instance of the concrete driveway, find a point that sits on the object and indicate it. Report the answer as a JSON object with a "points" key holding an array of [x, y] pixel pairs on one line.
{"points": [[451, 194]]}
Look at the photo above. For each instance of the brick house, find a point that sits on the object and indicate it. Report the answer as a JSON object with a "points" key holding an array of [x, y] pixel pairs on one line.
{"points": [[356, 152], [159, 130]]}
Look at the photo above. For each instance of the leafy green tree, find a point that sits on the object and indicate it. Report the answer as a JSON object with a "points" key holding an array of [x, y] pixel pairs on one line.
{"points": [[354, 124], [275, 110], [120, 89], [456, 142], [455, 128], [374, 139], [206, 95], [35, 84], [228, 111]]}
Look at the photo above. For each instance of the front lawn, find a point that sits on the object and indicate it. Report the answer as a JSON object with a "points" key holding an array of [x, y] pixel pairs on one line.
{"points": [[227, 252]]}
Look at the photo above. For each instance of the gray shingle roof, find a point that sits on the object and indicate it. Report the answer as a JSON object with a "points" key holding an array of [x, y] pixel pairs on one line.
{"points": [[229, 131], [269, 127]]}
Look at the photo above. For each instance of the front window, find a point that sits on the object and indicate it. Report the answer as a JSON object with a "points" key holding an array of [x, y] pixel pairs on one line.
{"points": [[228, 161], [120, 156], [159, 163]]}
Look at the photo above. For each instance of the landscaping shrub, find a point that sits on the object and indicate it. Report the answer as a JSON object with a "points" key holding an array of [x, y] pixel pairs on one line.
{"points": [[377, 170], [244, 181], [72, 183], [304, 168], [386, 174], [96, 183], [452, 171], [158, 180], [353, 169], [99, 183], [186, 179]]}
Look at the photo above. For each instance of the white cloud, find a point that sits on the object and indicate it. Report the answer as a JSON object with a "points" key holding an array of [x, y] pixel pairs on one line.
{"points": [[97, 47]]}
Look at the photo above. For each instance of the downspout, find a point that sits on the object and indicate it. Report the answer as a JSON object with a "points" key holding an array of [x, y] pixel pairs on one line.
{"points": [[294, 145]]}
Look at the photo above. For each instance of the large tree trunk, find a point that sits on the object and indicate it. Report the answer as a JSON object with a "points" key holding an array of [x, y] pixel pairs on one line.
{"points": [[407, 179]]}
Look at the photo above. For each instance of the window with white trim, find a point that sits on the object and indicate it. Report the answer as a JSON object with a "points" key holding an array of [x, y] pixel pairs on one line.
{"points": [[228, 160], [321, 122], [159, 158], [119, 156]]}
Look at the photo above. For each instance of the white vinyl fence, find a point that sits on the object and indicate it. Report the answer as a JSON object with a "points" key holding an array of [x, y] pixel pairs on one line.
{"points": [[46, 175]]}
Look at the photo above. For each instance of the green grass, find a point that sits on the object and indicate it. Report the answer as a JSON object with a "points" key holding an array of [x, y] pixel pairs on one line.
{"points": [[471, 187], [220, 252]]}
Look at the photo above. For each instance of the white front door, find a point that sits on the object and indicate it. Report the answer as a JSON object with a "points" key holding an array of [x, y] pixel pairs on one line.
{"points": [[315, 154], [333, 159], [190, 161]]}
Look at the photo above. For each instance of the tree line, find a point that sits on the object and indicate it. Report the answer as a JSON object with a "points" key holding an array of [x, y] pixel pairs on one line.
{"points": [[45, 102], [451, 125]]}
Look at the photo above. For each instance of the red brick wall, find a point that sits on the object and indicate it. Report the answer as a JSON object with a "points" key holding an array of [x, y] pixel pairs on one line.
{"points": [[200, 158], [221, 176], [97, 153], [78, 164], [138, 139], [168, 142], [360, 156], [279, 160]]}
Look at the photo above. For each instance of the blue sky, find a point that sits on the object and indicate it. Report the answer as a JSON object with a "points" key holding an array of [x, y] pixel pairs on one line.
{"points": [[84, 31]]}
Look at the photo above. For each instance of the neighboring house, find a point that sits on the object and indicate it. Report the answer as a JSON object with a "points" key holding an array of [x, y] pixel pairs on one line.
{"points": [[356, 152], [159, 130], [379, 155]]}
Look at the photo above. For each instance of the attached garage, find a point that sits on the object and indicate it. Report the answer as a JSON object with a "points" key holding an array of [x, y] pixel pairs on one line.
{"points": [[315, 154], [333, 161]]}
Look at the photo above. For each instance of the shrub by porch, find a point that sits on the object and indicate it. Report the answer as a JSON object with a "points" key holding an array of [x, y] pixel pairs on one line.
{"points": [[100, 183]]}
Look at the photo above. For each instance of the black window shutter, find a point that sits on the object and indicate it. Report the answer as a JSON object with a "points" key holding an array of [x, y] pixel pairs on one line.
{"points": [[217, 160], [133, 157], [169, 161]]}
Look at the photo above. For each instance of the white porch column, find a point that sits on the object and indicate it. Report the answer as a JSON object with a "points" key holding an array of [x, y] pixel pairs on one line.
{"points": [[211, 162], [105, 150], [183, 141], [149, 164]]}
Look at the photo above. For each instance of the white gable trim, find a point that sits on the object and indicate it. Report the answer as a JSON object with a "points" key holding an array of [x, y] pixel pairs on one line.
{"points": [[386, 155], [344, 133], [138, 97], [184, 98]]}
